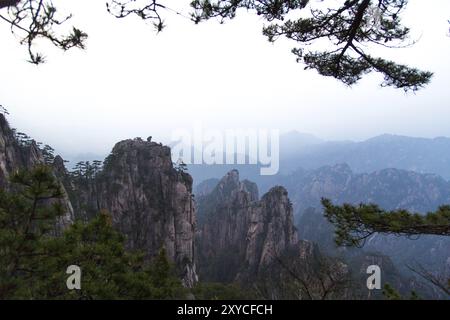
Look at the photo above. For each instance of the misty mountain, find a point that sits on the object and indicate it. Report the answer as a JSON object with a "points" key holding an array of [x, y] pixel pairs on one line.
{"points": [[230, 233], [298, 150], [385, 151], [238, 233], [294, 143], [389, 188]]}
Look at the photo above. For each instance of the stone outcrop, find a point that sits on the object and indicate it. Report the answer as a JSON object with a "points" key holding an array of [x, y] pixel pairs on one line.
{"points": [[391, 189], [240, 234], [15, 155], [150, 201], [205, 187]]}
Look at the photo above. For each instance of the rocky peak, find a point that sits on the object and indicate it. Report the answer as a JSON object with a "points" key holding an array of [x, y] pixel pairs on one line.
{"points": [[15, 155], [229, 185], [150, 201], [240, 234], [58, 166], [9, 151], [206, 187], [271, 231], [276, 195], [252, 189]]}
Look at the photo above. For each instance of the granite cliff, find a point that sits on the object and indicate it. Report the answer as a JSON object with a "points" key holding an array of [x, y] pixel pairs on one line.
{"points": [[240, 234], [17, 152], [150, 201]]}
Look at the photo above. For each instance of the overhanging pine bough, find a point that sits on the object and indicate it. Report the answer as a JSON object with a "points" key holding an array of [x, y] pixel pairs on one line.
{"points": [[346, 28], [37, 19], [354, 224]]}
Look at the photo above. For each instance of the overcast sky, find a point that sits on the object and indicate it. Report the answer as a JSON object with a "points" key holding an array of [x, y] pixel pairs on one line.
{"points": [[132, 82]]}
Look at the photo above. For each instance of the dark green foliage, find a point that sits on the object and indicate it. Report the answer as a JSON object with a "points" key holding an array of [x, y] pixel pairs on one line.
{"points": [[85, 171], [180, 166], [110, 162], [223, 9], [96, 166], [391, 294], [27, 216], [33, 262], [48, 153], [316, 277], [108, 270], [222, 266], [163, 278], [354, 224], [23, 139]]}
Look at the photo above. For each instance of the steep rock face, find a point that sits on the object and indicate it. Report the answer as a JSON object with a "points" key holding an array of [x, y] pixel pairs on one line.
{"points": [[15, 155], [271, 230], [83, 192], [150, 201], [239, 234], [60, 171], [206, 187]]}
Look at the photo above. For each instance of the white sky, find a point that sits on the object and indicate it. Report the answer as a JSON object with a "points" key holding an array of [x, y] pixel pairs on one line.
{"points": [[132, 82]]}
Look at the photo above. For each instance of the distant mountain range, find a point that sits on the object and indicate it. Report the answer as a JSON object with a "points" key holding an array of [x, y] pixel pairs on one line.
{"points": [[385, 151], [389, 188], [237, 230], [392, 171], [299, 150], [303, 150]]}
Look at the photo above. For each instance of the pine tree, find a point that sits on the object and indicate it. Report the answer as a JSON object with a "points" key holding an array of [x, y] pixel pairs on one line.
{"points": [[354, 224], [27, 217], [33, 261], [96, 167], [49, 154], [348, 29], [163, 277]]}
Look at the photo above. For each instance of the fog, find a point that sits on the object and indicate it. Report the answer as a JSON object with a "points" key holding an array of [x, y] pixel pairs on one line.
{"points": [[132, 82]]}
